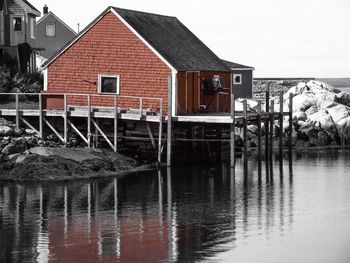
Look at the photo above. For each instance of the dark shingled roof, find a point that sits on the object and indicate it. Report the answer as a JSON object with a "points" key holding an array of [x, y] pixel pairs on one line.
{"points": [[169, 37], [233, 65], [178, 45], [30, 5]]}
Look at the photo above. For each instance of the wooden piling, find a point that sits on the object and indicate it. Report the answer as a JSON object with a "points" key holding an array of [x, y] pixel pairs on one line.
{"points": [[65, 117], [170, 114], [281, 125], [17, 110], [272, 112], [89, 122], [259, 131], [41, 130], [290, 120], [245, 123], [160, 132], [232, 132], [267, 109], [116, 123]]}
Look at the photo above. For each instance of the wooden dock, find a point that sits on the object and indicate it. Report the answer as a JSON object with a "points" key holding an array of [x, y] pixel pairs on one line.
{"points": [[63, 120]]}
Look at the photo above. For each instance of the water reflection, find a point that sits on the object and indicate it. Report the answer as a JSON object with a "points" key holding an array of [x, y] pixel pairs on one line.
{"points": [[183, 214]]}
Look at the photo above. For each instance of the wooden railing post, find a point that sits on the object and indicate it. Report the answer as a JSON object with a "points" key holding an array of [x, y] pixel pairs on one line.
{"points": [[17, 110], [160, 132]]}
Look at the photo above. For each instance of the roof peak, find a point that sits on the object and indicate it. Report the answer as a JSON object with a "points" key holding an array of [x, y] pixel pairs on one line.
{"points": [[140, 12]]}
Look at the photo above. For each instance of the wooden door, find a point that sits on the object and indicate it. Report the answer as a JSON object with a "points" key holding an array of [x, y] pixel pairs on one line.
{"points": [[192, 92]]}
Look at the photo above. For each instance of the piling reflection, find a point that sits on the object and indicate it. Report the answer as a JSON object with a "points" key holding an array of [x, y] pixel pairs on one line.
{"points": [[179, 214]]}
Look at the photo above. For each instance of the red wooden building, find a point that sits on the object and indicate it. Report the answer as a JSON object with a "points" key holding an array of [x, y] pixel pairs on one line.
{"points": [[133, 53]]}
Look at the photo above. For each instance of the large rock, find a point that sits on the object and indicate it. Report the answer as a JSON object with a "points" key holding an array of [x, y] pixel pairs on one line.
{"points": [[78, 155], [300, 116], [303, 102], [343, 98], [323, 120], [6, 131], [339, 112], [19, 146], [319, 87]]}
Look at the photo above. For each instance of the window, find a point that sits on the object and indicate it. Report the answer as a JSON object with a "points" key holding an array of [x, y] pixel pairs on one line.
{"points": [[32, 27], [50, 29], [237, 79], [108, 84], [17, 24]]}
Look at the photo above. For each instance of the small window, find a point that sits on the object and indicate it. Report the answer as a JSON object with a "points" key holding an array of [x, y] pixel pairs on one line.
{"points": [[108, 84], [32, 27], [17, 24], [50, 29], [237, 79]]}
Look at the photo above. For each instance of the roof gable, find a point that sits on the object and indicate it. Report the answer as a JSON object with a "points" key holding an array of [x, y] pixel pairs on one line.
{"points": [[175, 42], [51, 14], [25, 5], [166, 36]]}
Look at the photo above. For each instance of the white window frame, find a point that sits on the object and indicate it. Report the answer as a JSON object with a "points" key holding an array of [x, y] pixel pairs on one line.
{"points": [[50, 23], [100, 76], [237, 82], [32, 27]]}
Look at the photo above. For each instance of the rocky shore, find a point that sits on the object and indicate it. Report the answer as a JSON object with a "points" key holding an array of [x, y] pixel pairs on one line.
{"points": [[24, 157]]}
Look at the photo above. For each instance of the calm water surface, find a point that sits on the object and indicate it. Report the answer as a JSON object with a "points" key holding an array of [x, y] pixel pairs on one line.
{"points": [[188, 214]]}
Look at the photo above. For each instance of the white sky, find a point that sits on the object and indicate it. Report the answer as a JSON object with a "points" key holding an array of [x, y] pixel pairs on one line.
{"points": [[280, 38]]}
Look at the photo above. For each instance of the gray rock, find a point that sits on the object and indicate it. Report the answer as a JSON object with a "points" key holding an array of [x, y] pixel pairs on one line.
{"points": [[30, 132], [17, 131], [19, 146], [6, 131], [323, 138]]}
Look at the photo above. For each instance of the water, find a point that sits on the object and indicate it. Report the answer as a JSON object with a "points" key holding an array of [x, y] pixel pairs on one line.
{"points": [[345, 89], [189, 214]]}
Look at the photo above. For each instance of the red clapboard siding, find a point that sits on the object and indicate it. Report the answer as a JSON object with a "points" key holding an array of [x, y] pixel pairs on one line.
{"points": [[109, 47]]}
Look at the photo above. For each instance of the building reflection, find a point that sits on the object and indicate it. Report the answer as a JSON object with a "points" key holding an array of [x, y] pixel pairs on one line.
{"points": [[179, 214]]}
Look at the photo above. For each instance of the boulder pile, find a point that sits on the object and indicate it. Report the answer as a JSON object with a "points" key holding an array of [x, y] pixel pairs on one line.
{"points": [[23, 156], [321, 114]]}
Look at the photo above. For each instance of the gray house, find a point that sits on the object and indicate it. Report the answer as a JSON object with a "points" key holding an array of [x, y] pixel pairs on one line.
{"points": [[17, 32], [242, 79], [52, 33]]}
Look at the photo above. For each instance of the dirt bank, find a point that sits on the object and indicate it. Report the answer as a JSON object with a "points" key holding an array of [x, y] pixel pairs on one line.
{"points": [[51, 164]]}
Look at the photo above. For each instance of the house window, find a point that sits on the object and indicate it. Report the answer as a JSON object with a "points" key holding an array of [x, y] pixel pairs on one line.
{"points": [[50, 29], [108, 84], [32, 27], [237, 79], [17, 24]]}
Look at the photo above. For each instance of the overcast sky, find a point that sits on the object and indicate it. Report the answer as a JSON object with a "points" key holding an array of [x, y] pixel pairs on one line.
{"points": [[280, 38]]}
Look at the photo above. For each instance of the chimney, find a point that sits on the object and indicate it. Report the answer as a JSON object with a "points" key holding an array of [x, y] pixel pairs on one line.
{"points": [[45, 10]]}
